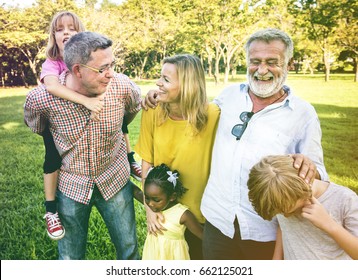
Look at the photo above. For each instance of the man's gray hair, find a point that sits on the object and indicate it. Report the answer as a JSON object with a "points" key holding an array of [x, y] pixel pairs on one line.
{"points": [[268, 35], [81, 45]]}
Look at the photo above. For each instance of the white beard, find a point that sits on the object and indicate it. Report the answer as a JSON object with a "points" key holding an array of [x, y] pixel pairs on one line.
{"points": [[267, 89]]}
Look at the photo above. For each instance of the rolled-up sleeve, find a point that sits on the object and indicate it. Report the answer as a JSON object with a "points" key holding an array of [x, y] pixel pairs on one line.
{"points": [[310, 145], [133, 104], [33, 117]]}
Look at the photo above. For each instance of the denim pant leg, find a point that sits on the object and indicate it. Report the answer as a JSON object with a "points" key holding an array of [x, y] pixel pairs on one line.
{"points": [[74, 217], [118, 214]]}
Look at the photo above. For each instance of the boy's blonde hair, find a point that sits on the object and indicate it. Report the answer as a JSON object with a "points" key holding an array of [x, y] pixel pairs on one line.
{"points": [[275, 187], [193, 99], [52, 50]]}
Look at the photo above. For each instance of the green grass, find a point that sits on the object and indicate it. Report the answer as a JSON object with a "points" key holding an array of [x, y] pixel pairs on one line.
{"points": [[22, 233]]}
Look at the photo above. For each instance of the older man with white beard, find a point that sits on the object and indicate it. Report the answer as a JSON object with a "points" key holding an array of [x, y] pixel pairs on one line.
{"points": [[257, 119]]}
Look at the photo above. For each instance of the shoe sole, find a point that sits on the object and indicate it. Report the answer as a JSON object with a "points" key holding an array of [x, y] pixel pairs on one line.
{"points": [[56, 237]]}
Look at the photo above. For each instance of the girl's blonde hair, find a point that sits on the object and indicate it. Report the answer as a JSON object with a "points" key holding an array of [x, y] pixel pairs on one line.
{"points": [[52, 50], [193, 99], [275, 187]]}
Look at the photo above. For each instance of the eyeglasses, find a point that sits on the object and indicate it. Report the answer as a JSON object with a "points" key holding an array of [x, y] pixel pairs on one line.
{"points": [[239, 129], [100, 71]]}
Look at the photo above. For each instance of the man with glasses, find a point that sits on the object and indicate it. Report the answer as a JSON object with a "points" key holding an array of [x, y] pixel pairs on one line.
{"points": [[257, 118], [95, 170]]}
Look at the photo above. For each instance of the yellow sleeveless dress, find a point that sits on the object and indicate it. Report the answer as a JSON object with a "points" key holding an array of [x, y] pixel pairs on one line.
{"points": [[171, 245]]}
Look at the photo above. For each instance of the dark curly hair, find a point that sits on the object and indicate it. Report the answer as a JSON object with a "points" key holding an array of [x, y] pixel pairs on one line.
{"points": [[159, 176]]}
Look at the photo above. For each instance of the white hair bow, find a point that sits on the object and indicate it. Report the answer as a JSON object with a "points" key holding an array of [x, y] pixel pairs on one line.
{"points": [[172, 178]]}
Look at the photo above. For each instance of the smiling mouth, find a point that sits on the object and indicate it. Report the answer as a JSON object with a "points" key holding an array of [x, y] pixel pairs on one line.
{"points": [[263, 78]]}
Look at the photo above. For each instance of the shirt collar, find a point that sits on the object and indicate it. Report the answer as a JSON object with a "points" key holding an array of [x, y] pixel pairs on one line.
{"points": [[289, 100]]}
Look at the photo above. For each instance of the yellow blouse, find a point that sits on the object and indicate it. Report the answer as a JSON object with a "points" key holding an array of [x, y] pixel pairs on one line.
{"points": [[173, 143]]}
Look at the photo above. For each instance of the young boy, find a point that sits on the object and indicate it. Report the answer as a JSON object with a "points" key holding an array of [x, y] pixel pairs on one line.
{"points": [[317, 221]]}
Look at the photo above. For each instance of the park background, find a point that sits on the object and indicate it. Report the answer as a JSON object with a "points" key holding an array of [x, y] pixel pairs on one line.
{"points": [[144, 32]]}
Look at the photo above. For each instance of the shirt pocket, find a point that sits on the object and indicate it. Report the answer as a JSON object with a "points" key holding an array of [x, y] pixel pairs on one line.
{"points": [[268, 138]]}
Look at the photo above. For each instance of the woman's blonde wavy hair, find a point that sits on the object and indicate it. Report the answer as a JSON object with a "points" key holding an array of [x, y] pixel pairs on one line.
{"points": [[192, 88]]}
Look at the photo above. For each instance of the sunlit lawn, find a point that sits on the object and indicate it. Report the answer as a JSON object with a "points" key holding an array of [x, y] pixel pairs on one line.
{"points": [[22, 232]]}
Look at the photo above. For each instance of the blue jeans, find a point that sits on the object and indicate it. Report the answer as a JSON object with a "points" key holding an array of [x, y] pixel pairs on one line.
{"points": [[117, 213]]}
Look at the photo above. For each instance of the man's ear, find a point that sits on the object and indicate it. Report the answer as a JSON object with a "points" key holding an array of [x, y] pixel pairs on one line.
{"points": [[76, 70]]}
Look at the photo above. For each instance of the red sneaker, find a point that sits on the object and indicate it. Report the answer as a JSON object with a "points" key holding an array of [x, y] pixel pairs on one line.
{"points": [[136, 171], [55, 230]]}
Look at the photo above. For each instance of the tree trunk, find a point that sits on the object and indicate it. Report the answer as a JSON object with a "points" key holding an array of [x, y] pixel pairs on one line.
{"points": [[327, 72], [2, 78], [32, 64], [210, 67], [327, 65], [227, 72], [23, 78], [217, 64], [217, 70], [233, 72], [144, 62], [210, 60]]}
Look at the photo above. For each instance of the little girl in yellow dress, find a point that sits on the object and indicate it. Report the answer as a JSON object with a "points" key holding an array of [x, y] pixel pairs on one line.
{"points": [[162, 188]]}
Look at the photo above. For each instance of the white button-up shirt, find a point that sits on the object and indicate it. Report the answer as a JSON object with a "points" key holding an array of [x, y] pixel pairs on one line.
{"points": [[288, 127]]}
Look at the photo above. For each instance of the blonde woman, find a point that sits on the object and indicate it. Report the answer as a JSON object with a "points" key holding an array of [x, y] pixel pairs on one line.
{"points": [[180, 133]]}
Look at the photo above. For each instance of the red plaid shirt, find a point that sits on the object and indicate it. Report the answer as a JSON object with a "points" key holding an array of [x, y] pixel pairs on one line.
{"points": [[92, 152]]}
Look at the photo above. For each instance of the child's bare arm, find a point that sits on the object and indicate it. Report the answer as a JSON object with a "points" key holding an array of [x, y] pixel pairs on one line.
{"points": [[189, 220], [95, 104], [138, 194], [154, 219], [318, 216], [278, 253]]}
